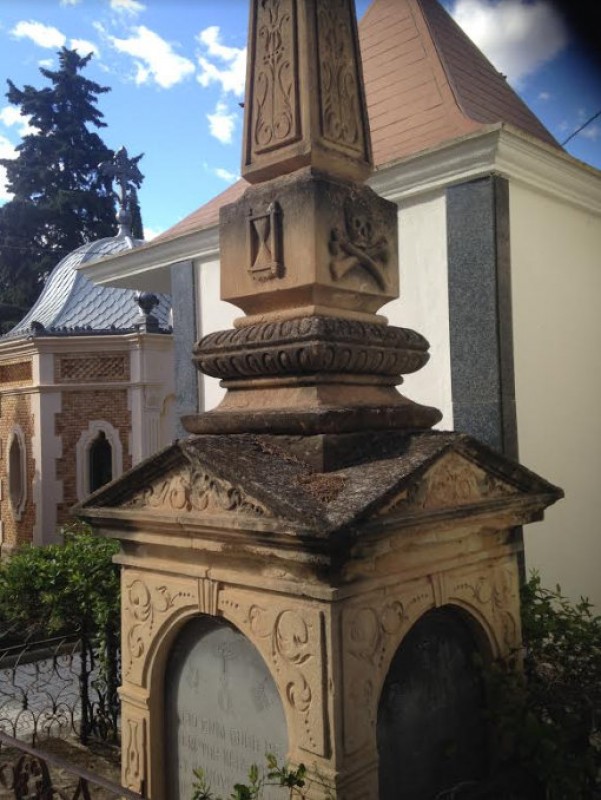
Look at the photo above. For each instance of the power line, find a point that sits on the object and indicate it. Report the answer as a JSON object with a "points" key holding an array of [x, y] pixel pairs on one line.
{"points": [[577, 131]]}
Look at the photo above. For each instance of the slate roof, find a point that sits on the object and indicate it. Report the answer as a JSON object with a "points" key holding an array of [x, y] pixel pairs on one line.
{"points": [[70, 304], [426, 83]]}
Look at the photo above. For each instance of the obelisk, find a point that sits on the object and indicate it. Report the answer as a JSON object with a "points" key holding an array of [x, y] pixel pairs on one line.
{"points": [[309, 253]]}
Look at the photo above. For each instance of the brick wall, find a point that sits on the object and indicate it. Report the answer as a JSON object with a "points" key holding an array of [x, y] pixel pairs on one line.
{"points": [[79, 408], [90, 367], [15, 409]]}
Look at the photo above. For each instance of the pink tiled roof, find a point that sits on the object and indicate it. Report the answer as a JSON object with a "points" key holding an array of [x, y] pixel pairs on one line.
{"points": [[425, 82]]}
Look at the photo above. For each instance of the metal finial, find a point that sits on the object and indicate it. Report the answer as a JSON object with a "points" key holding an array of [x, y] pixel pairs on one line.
{"points": [[124, 170]]}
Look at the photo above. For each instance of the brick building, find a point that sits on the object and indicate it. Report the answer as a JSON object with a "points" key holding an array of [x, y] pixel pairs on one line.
{"points": [[86, 391]]}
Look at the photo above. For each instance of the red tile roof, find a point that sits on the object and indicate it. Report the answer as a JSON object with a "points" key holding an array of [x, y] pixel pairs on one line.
{"points": [[425, 82]]}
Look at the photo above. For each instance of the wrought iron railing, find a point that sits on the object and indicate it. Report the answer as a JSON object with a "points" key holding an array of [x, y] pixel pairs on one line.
{"points": [[30, 774], [60, 687]]}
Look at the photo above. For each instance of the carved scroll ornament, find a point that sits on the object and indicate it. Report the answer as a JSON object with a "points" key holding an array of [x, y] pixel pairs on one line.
{"points": [[194, 489], [275, 112], [147, 604], [341, 107], [289, 639], [371, 634]]}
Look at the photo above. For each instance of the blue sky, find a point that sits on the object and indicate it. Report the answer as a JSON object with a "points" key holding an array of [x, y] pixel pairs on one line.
{"points": [[176, 69]]}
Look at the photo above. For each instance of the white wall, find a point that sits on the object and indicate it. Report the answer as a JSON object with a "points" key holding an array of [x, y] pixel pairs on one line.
{"points": [[556, 289], [212, 314], [423, 304]]}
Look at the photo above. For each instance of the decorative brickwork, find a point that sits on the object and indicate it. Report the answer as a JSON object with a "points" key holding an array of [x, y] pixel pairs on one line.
{"points": [[90, 367], [15, 409], [15, 372], [78, 408]]}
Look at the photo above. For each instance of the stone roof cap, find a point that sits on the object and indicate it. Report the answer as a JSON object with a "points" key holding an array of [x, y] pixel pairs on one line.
{"points": [[71, 304]]}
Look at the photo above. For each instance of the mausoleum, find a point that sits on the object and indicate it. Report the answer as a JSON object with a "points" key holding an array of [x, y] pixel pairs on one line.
{"points": [[86, 391]]}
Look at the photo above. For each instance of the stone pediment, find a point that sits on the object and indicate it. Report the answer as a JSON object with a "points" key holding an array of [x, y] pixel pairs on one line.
{"points": [[453, 481], [194, 489], [324, 485]]}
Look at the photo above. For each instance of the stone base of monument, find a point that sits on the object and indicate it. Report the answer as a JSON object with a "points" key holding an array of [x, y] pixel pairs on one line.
{"points": [[317, 597]]}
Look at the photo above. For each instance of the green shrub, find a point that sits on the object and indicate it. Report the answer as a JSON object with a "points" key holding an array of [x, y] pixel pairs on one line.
{"points": [[291, 779], [63, 588], [547, 718]]}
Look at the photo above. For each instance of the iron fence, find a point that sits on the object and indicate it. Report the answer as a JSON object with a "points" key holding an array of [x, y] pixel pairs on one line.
{"points": [[61, 686], [29, 774]]}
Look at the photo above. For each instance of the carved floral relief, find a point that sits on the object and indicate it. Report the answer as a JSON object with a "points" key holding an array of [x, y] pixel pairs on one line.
{"points": [[133, 734], [290, 640], [452, 481], [147, 603], [193, 489], [341, 113], [494, 592], [371, 632], [275, 113]]}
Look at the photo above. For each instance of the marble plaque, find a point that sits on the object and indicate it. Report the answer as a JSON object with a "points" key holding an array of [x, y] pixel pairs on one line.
{"points": [[222, 709]]}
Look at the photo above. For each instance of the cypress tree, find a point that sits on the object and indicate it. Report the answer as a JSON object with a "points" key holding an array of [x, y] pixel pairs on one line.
{"points": [[60, 199]]}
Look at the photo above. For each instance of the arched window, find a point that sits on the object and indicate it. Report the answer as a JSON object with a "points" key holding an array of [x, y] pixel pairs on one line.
{"points": [[99, 457], [100, 462], [17, 471]]}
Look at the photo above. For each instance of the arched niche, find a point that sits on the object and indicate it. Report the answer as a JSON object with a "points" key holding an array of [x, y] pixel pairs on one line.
{"points": [[222, 709], [99, 457], [431, 732], [17, 471]]}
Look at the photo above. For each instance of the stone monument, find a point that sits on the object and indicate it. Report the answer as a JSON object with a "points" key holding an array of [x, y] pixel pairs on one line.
{"points": [[315, 560]]}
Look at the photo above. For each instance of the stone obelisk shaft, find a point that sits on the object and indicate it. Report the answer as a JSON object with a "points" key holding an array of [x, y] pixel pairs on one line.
{"points": [[305, 103], [309, 252]]}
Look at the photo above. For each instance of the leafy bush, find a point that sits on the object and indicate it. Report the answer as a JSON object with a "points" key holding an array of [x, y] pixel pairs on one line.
{"points": [[63, 588], [291, 779], [547, 718]]}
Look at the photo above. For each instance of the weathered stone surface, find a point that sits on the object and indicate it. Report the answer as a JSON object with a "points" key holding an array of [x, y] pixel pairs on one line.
{"points": [[304, 95], [310, 345], [369, 476], [324, 552], [306, 240]]}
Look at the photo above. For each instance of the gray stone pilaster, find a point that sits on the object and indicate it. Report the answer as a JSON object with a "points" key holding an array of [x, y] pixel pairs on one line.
{"points": [[183, 295], [481, 336]]}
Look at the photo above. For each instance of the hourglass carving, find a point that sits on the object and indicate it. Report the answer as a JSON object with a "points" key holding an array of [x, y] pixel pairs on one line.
{"points": [[264, 243]]}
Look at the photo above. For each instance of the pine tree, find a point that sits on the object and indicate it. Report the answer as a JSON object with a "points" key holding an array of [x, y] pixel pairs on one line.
{"points": [[60, 199]]}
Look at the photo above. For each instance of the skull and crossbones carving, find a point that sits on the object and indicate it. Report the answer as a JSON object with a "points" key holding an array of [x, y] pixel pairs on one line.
{"points": [[358, 245]]}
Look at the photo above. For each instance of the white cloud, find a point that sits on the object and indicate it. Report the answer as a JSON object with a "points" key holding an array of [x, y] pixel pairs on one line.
{"points": [[591, 132], [225, 174], [7, 150], [47, 63], [129, 7], [517, 37], [40, 34], [83, 46], [222, 123], [230, 69], [11, 116], [544, 95], [70, 2], [156, 60], [151, 233]]}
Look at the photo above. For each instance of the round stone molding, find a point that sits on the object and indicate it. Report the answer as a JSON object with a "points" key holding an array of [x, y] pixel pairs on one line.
{"points": [[311, 345]]}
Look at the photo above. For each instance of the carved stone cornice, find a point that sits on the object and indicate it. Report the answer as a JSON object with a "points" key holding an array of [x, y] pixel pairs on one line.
{"points": [[309, 345]]}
